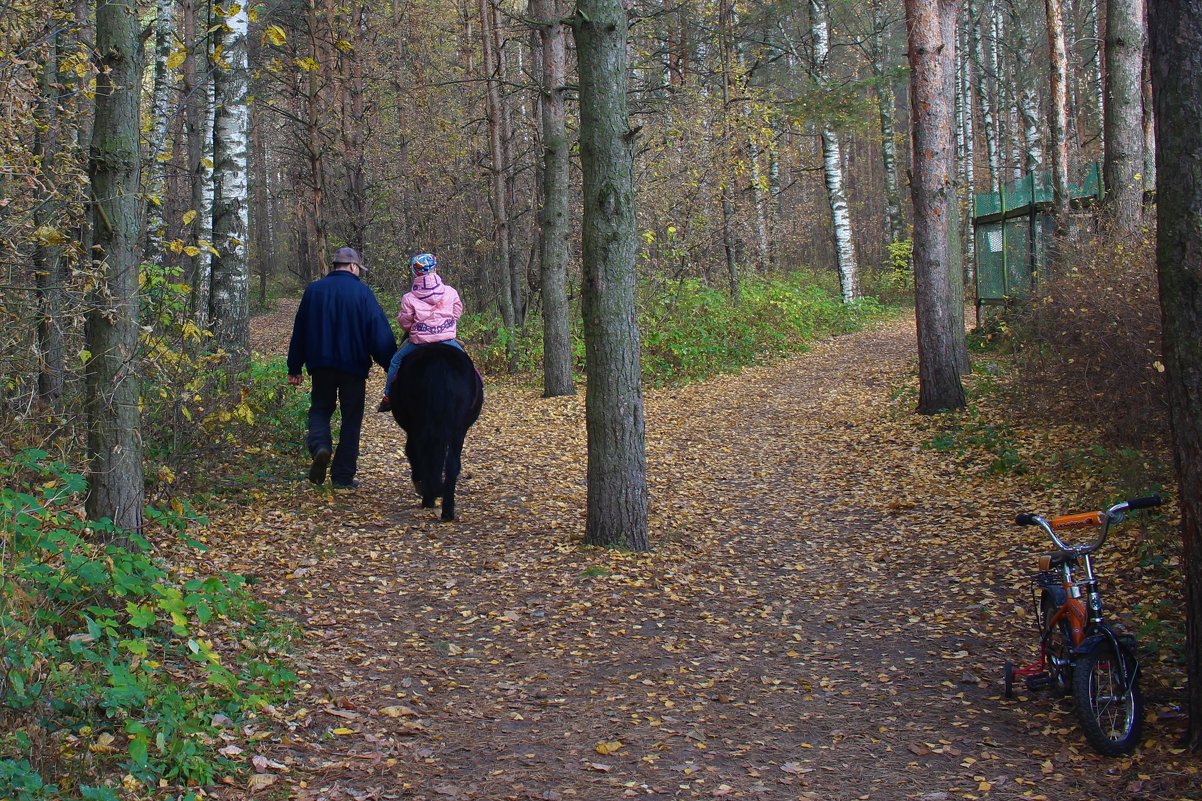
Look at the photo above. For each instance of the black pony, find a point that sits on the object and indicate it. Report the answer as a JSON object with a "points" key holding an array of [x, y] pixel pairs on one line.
{"points": [[436, 398]]}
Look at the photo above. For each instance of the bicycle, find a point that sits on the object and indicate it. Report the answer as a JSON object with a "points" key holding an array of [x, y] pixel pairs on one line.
{"points": [[1079, 652]]}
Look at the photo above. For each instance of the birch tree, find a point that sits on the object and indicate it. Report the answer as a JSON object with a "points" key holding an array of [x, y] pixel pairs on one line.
{"points": [[231, 137], [1058, 109], [557, 334], [1176, 40], [933, 193], [116, 486], [1123, 114], [160, 117], [885, 101], [1028, 99], [617, 458], [832, 162], [986, 78]]}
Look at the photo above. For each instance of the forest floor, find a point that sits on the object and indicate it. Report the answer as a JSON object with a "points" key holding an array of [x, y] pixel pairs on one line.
{"points": [[825, 613]]}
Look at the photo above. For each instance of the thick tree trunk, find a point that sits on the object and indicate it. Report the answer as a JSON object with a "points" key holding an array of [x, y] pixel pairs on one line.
{"points": [[933, 194], [230, 298], [1123, 113], [832, 164], [617, 459], [116, 488], [1058, 110], [556, 224], [1176, 33]]}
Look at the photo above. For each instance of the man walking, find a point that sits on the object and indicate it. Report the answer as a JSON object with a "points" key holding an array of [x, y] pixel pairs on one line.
{"points": [[339, 330]]}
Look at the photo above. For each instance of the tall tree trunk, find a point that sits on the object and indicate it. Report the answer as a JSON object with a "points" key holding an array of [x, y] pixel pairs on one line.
{"points": [[197, 123], [48, 269], [556, 224], [986, 96], [1058, 110], [955, 245], [885, 101], [1028, 99], [160, 118], [832, 164], [968, 172], [1149, 182], [316, 226], [1096, 104], [1123, 112], [1176, 33], [231, 134], [116, 487], [497, 169], [355, 128], [933, 192], [262, 245], [617, 458]]}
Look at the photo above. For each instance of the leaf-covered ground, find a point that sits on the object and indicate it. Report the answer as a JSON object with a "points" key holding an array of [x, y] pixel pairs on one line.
{"points": [[824, 616]]}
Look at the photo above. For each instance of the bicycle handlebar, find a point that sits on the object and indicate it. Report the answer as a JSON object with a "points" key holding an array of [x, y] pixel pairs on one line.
{"points": [[1112, 515]]}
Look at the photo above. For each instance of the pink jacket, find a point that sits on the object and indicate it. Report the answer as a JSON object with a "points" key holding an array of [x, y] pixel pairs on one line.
{"points": [[430, 310]]}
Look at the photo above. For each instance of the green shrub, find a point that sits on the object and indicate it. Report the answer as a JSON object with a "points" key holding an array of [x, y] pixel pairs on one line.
{"points": [[690, 330], [107, 662]]}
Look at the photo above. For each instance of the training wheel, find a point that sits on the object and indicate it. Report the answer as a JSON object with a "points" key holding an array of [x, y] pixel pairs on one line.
{"points": [[1008, 679]]}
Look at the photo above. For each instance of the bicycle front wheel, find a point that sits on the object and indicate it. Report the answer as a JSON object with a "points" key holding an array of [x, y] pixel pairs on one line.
{"points": [[1112, 719]]}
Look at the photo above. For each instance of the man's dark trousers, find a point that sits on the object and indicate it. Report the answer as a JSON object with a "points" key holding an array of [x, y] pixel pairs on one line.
{"points": [[333, 388]]}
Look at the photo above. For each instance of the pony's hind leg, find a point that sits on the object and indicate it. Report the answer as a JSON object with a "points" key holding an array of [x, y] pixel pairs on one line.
{"points": [[454, 464]]}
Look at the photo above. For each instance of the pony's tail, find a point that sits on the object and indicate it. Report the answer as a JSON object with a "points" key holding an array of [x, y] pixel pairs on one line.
{"points": [[438, 432]]}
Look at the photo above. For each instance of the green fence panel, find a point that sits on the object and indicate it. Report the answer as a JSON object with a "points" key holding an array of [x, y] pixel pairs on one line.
{"points": [[991, 279]]}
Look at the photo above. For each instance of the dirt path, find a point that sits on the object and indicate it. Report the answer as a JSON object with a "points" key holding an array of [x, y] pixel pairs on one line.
{"points": [[824, 615]]}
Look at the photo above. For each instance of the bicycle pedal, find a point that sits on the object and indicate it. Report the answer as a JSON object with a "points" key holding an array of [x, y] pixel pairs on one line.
{"points": [[1039, 682]]}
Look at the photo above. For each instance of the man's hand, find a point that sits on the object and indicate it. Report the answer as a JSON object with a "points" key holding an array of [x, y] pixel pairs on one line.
{"points": [[295, 380]]}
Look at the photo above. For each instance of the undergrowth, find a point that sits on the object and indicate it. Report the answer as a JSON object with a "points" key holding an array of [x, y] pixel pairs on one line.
{"points": [[689, 330], [118, 677]]}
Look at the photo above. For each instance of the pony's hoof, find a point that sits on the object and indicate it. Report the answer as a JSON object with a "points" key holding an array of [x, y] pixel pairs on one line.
{"points": [[428, 503], [448, 517]]}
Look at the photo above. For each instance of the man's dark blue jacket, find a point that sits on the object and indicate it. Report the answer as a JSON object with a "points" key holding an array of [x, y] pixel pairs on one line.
{"points": [[340, 326]]}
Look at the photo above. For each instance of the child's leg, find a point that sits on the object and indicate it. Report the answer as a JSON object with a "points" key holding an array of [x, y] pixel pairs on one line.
{"points": [[394, 366]]}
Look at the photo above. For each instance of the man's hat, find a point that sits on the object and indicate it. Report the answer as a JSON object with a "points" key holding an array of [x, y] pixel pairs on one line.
{"points": [[348, 256]]}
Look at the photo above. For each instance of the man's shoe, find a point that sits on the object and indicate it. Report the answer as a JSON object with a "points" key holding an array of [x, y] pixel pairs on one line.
{"points": [[385, 406], [347, 487], [321, 460]]}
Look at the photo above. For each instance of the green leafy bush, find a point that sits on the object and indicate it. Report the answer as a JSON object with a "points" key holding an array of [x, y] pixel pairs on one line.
{"points": [[107, 660], [690, 330]]}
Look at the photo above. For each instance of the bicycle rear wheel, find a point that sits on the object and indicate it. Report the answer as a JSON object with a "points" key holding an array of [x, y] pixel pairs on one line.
{"points": [[1112, 719]]}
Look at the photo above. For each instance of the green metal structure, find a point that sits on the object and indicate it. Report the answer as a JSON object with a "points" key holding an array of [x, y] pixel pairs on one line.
{"points": [[1012, 231]]}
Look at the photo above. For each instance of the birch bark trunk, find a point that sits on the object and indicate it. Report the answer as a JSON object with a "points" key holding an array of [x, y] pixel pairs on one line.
{"points": [[832, 164], [1058, 110], [230, 299], [160, 115]]}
